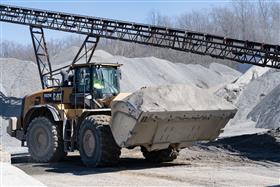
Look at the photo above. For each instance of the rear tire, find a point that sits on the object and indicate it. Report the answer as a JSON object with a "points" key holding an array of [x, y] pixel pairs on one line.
{"points": [[165, 155], [44, 140], [97, 145]]}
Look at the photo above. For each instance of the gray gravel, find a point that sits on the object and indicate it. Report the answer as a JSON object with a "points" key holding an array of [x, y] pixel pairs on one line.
{"points": [[267, 112], [216, 164]]}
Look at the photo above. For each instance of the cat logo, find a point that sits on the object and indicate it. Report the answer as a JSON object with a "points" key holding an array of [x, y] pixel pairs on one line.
{"points": [[53, 96]]}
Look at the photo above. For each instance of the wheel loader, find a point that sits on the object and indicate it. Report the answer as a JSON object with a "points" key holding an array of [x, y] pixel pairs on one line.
{"points": [[84, 109], [88, 113]]}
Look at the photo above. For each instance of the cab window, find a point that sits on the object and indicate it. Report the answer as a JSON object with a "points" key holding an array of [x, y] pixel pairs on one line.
{"points": [[82, 79]]}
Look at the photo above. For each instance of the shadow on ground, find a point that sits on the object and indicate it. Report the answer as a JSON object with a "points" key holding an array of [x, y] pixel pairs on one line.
{"points": [[257, 147], [9, 106], [72, 164]]}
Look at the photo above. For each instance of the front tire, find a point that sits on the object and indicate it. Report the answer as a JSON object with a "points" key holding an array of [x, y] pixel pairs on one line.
{"points": [[44, 140], [97, 145], [165, 155]]}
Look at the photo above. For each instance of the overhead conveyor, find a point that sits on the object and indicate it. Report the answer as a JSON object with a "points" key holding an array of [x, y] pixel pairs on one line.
{"points": [[242, 51]]}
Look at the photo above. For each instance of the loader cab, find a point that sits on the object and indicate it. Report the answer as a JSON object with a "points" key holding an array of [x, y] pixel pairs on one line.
{"points": [[94, 83]]}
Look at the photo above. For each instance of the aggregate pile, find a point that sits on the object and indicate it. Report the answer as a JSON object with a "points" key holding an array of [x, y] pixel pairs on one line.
{"points": [[232, 91], [255, 92], [18, 78], [266, 113], [176, 98], [151, 71], [255, 96]]}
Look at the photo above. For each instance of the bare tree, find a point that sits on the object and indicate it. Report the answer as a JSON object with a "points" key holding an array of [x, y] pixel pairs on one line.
{"points": [[265, 21], [154, 17], [275, 26], [245, 11], [196, 21], [224, 20]]}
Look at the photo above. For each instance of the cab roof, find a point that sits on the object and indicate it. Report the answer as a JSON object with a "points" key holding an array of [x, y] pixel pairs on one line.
{"points": [[95, 64]]}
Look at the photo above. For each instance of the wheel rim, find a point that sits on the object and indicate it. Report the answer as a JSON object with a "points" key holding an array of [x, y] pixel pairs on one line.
{"points": [[41, 140], [89, 143]]}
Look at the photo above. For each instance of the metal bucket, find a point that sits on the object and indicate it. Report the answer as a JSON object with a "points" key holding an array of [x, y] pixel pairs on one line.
{"points": [[158, 129]]}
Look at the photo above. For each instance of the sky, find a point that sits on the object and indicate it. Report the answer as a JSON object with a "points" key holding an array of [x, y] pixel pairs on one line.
{"points": [[133, 10]]}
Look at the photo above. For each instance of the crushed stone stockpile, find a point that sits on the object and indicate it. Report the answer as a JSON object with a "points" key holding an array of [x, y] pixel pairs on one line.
{"points": [[232, 91], [266, 112], [18, 78], [151, 71], [254, 94], [9, 144], [176, 98]]}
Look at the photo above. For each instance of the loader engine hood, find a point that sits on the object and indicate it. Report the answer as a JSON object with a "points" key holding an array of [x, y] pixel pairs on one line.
{"points": [[171, 115]]}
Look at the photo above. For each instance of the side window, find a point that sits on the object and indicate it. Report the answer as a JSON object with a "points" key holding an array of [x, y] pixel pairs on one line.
{"points": [[83, 79]]}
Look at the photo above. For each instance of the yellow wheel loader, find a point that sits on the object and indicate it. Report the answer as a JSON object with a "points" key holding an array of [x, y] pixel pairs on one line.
{"points": [[84, 110], [88, 113], [75, 115]]}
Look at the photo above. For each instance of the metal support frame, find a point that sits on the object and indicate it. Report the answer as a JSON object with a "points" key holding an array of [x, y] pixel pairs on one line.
{"points": [[87, 49], [242, 51], [42, 56]]}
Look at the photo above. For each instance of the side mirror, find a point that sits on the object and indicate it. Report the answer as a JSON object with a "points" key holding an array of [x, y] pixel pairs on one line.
{"points": [[119, 73]]}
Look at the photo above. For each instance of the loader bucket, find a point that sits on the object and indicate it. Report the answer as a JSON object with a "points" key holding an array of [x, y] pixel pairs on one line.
{"points": [[144, 117]]}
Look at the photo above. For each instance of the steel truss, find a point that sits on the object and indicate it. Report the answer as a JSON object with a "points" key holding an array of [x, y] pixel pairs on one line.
{"points": [[199, 43], [42, 56], [87, 49]]}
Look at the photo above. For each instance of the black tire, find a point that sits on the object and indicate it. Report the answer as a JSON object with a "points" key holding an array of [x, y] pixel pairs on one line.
{"points": [[97, 145], [165, 155], [44, 140]]}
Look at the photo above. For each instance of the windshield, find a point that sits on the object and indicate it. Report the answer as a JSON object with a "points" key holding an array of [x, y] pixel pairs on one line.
{"points": [[105, 81]]}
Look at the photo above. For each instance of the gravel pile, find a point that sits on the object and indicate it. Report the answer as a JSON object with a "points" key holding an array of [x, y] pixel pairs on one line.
{"points": [[176, 98], [267, 112], [256, 96], [18, 78], [232, 91], [254, 93], [151, 71]]}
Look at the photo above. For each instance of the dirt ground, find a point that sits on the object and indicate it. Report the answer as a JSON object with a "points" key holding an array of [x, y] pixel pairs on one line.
{"points": [[251, 160]]}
